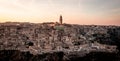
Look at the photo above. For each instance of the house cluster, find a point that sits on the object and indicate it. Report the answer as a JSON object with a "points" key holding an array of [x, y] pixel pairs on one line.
{"points": [[46, 37]]}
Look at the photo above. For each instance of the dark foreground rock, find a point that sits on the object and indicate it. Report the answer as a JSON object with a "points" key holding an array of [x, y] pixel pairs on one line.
{"points": [[15, 55], [55, 42]]}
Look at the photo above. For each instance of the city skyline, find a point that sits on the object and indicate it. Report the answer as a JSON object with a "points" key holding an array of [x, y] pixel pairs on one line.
{"points": [[98, 12]]}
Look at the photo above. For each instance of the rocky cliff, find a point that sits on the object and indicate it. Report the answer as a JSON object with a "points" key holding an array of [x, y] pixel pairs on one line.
{"points": [[55, 42]]}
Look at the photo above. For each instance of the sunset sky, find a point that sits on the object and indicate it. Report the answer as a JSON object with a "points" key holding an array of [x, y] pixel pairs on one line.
{"points": [[100, 12]]}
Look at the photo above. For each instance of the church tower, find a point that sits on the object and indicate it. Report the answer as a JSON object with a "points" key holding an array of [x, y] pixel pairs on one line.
{"points": [[60, 19]]}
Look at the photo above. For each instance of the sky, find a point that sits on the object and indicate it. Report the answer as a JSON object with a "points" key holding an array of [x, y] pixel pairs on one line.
{"points": [[85, 12]]}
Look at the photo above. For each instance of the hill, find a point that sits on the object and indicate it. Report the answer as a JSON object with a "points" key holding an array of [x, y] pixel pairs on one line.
{"points": [[55, 42]]}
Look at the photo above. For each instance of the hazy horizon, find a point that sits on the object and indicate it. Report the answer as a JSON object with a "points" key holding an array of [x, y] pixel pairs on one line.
{"points": [[88, 12]]}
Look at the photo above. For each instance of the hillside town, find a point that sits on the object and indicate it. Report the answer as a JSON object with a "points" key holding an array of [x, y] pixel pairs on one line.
{"points": [[54, 36], [57, 36]]}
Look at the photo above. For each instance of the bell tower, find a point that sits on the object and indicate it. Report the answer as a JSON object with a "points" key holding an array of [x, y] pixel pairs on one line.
{"points": [[60, 19]]}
